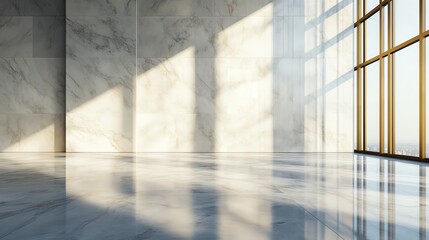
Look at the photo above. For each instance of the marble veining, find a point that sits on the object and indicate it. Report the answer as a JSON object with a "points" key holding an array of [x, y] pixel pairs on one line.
{"points": [[49, 37], [32, 7], [32, 70], [32, 132], [100, 37], [188, 82], [290, 93], [101, 72], [100, 104], [203, 8], [101, 8], [88, 78], [211, 196], [31, 85], [210, 76], [18, 42], [171, 35], [243, 8]]}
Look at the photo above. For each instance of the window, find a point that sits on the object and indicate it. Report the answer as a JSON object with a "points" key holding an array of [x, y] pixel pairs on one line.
{"points": [[372, 83], [406, 70], [390, 74]]}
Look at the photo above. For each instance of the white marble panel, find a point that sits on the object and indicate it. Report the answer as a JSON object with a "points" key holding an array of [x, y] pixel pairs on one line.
{"points": [[164, 37], [248, 37], [244, 133], [100, 104], [234, 36], [32, 85], [169, 133], [311, 96], [32, 132], [244, 8], [296, 8], [244, 86], [289, 97], [299, 38], [42, 7], [320, 100], [338, 97], [346, 39], [104, 129], [311, 9], [283, 38], [101, 36], [88, 78], [32, 7], [101, 7], [166, 85], [345, 96], [171, 8], [16, 39], [10, 8], [49, 37], [176, 85]]}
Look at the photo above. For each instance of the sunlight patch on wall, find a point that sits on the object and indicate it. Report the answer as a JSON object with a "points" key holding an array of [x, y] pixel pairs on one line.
{"points": [[32, 133], [39, 141], [165, 93], [244, 83], [251, 36], [98, 125]]}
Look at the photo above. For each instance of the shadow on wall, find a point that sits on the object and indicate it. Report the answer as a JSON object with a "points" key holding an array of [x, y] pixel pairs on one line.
{"points": [[212, 76], [32, 69]]}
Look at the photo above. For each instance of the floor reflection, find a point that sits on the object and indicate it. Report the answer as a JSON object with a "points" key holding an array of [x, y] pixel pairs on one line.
{"points": [[391, 199], [211, 196]]}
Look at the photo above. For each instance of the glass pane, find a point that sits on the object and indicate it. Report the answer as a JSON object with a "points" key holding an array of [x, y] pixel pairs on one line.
{"points": [[360, 70], [355, 110], [355, 47], [355, 10], [359, 55], [372, 82], [371, 4], [385, 28], [427, 102], [407, 20], [406, 70], [372, 26], [386, 105]]}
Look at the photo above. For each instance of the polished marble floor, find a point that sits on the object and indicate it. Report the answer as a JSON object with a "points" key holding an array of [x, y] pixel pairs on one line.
{"points": [[211, 196]]}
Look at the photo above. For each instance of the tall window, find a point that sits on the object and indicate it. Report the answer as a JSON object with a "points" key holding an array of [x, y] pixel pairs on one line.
{"points": [[390, 77]]}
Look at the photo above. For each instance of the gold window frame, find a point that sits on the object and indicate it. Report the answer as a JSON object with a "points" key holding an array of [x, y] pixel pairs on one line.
{"points": [[387, 54]]}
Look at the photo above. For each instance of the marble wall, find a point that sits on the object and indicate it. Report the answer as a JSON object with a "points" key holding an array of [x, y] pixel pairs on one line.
{"points": [[176, 76], [244, 76], [32, 69], [101, 68]]}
